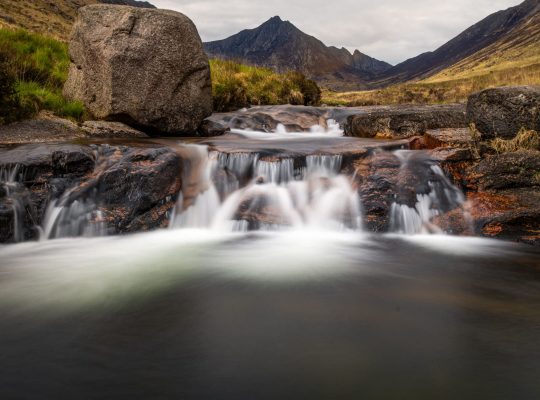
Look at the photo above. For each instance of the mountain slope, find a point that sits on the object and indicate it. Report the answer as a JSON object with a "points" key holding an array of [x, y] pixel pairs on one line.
{"points": [[54, 17], [518, 49], [281, 46], [475, 39]]}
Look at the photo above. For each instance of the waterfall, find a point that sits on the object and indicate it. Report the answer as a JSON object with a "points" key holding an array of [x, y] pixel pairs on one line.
{"points": [[244, 191], [75, 219], [15, 200], [438, 197]]}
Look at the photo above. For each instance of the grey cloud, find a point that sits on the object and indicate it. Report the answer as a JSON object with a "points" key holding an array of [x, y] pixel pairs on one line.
{"points": [[390, 30]]}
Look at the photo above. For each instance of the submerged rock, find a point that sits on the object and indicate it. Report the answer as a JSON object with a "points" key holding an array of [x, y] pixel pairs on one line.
{"points": [[144, 67], [502, 112]]}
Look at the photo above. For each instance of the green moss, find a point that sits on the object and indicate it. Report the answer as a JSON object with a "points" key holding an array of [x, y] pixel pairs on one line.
{"points": [[38, 65]]}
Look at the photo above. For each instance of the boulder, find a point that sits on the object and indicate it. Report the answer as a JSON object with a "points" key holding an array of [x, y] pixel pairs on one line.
{"points": [[502, 112], [143, 67], [520, 169]]}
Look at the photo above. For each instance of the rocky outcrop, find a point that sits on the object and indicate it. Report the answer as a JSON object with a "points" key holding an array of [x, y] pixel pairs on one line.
{"points": [[142, 67], [132, 188], [502, 112]]}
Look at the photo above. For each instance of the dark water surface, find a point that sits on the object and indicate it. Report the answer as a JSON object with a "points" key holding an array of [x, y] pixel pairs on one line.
{"points": [[192, 315]]}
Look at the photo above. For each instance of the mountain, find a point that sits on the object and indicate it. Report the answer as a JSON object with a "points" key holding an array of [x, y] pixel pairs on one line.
{"points": [[54, 17], [280, 45], [481, 39], [517, 49]]}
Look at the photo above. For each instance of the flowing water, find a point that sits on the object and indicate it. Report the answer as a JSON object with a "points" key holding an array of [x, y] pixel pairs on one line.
{"points": [[267, 286]]}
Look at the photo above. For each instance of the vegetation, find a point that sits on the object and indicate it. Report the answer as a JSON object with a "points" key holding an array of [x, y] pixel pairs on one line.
{"points": [[235, 85], [34, 69], [436, 91], [524, 140]]}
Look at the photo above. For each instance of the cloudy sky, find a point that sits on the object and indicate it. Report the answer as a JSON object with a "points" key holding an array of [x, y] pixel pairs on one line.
{"points": [[390, 30]]}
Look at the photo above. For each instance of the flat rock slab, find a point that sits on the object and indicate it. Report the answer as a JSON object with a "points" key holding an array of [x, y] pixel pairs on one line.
{"points": [[47, 128], [448, 137]]}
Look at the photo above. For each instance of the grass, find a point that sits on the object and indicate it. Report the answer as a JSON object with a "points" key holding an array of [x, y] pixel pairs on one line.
{"points": [[38, 66], [235, 85], [524, 140], [436, 92]]}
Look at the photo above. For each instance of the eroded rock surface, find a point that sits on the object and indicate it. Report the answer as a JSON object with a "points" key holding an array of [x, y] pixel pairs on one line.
{"points": [[132, 188], [502, 112]]}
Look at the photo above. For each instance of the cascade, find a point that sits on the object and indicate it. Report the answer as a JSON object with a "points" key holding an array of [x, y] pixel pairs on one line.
{"points": [[243, 191], [434, 195]]}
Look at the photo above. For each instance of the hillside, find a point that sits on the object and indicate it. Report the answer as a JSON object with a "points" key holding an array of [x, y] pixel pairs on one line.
{"points": [[280, 45], [520, 48], [52, 17], [478, 38]]}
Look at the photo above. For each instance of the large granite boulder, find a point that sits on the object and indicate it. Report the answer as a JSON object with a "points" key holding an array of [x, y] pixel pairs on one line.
{"points": [[502, 112], [143, 67]]}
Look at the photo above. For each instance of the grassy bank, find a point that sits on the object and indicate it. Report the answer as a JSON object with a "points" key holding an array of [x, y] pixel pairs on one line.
{"points": [[33, 71], [436, 91], [34, 67], [235, 85]]}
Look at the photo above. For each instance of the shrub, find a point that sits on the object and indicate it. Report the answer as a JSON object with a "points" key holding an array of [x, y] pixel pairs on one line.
{"points": [[524, 140]]}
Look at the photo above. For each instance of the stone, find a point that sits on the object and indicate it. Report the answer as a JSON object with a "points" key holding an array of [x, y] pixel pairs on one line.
{"points": [[520, 169], [102, 129], [502, 112], [403, 121], [143, 67]]}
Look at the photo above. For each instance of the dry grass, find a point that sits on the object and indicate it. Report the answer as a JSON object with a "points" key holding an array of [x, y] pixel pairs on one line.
{"points": [[426, 92], [235, 85], [524, 140]]}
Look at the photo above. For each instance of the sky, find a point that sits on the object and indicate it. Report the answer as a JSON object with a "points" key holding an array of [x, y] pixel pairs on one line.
{"points": [[389, 30]]}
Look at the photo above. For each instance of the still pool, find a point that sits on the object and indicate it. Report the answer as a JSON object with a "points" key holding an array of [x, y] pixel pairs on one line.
{"points": [[192, 314]]}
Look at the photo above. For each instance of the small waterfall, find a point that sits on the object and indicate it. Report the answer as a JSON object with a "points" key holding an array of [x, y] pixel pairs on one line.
{"points": [[438, 197], [247, 192], [14, 200], [80, 218]]}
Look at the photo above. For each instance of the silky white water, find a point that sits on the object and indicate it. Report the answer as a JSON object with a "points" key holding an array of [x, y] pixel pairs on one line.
{"points": [[241, 191]]}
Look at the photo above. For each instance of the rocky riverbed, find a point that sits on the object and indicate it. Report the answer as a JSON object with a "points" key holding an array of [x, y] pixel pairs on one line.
{"points": [[133, 184]]}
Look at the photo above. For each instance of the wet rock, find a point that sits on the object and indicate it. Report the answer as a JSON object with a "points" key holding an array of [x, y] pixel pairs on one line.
{"points": [[403, 121], [54, 160], [106, 129], [502, 112], [510, 170], [140, 182], [143, 67], [508, 214]]}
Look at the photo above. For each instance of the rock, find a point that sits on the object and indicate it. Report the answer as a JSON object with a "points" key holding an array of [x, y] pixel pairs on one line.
{"points": [[403, 121], [45, 127], [39, 162], [108, 129], [508, 214], [520, 169], [267, 118], [502, 112], [448, 137], [142, 67]]}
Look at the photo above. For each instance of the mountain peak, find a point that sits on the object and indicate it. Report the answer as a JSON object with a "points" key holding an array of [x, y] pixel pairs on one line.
{"points": [[280, 45]]}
